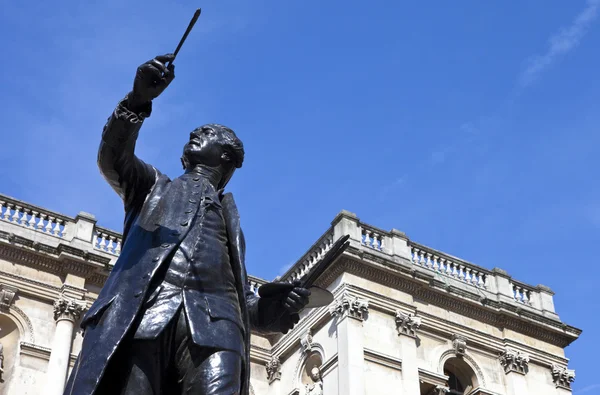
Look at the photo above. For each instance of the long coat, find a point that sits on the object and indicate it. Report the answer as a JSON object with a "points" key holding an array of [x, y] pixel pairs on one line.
{"points": [[152, 230]]}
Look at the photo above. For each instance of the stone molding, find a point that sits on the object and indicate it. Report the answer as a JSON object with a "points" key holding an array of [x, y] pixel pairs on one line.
{"points": [[68, 309], [22, 320], [57, 260], [273, 369], [562, 376], [350, 306], [407, 324], [494, 313], [514, 361], [7, 296], [459, 345], [470, 361]]}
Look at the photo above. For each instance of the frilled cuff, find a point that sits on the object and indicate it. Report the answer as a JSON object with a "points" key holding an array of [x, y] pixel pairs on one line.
{"points": [[124, 113]]}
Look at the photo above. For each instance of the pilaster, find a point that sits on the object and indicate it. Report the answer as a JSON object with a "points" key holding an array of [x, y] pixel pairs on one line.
{"points": [[516, 366], [407, 326], [349, 313]]}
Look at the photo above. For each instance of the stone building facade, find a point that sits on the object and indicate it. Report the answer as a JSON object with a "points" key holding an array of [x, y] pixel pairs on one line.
{"points": [[406, 319]]}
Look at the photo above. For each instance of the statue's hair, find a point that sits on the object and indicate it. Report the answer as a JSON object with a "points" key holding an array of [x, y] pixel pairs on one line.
{"points": [[233, 145]]}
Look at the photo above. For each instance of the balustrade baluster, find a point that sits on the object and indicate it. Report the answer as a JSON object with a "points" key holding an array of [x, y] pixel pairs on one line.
{"points": [[95, 239], [468, 275], [415, 253], [436, 265], [57, 224], [31, 223], [525, 296], [381, 243], [111, 244], [118, 247], [9, 206], [40, 224], [2, 203], [448, 268], [15, 216], [106, 241], [428, 262], [48, 227], [23, 221], [517, 296]]}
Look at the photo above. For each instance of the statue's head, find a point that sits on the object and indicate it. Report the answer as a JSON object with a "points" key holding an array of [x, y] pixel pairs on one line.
{"points": [[215, 146], [315, 374]]}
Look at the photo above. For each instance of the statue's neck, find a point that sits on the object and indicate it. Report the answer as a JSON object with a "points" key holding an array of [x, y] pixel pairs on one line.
{"points": [[212, 174]]}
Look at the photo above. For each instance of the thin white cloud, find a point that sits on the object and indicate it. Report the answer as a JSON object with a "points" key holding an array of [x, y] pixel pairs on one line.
{"points": [[588, 389], [561, 43]]}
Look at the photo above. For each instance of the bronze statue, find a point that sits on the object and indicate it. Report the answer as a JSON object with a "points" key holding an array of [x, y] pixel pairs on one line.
{"points": [[175, 314]]}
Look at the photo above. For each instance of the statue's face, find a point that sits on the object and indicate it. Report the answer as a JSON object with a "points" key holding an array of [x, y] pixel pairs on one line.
{"points": [[205, 147]]}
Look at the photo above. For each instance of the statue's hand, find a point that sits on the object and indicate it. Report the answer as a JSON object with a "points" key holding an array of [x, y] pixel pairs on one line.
{"points": [[151, 79], [296, 299]]}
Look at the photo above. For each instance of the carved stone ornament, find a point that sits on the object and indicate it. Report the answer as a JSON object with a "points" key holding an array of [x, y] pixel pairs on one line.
{"points": [[562, 376], [439, 390], [407, 324], [306, 343], [350, 306], [514, 361], [68, 309], [7, 295], [273, 369], [459, 343]]}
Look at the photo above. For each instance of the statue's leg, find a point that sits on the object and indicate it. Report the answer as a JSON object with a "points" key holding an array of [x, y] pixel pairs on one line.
{"points": [[138, 367], [203, 370], [210, 372]]}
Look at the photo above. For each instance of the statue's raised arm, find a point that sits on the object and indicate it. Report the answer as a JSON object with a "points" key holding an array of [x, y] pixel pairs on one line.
{"points": [[129, 176]]}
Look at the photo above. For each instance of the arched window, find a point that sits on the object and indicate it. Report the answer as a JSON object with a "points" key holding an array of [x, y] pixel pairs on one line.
{"points": [[461, 377], [9, 344]]}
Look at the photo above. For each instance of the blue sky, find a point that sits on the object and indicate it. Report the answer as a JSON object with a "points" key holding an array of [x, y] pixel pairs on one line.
{"points": [[473, 126]]}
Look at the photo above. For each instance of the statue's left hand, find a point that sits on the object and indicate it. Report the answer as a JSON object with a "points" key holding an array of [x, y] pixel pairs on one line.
{"points": [[296, 299]]}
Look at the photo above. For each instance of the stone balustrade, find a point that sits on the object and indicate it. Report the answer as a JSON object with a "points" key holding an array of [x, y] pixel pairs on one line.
{"points": [[255, 283], [32, 217], [373, 238], [107, 240], [311, 257], [522, 293], [441, 263], [393, 245]]}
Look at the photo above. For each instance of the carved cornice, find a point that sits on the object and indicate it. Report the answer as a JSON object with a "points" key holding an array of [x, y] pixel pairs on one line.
{"points": [[350, 306], [514, 361], [68, 309], [495, 313], [562, 376], [62, 259], [407, 324], [273, 369]]}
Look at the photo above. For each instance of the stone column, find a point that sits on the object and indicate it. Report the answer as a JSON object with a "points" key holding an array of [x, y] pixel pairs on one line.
{"points": [[350, 312], [515, 364], [407, 326], [66, 313]]}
